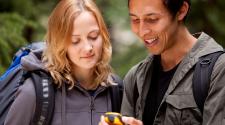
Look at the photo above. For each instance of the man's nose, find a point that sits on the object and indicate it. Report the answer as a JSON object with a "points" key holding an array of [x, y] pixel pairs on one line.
{"points": [[143, 29]]}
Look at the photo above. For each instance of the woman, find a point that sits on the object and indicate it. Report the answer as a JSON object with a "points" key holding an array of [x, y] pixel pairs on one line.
{"points": [[77, 56]]}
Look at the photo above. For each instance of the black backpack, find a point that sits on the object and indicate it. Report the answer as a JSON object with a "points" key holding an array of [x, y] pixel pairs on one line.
{"points": [[201, 79], [15, 76], [116, 93], [202, 76]]}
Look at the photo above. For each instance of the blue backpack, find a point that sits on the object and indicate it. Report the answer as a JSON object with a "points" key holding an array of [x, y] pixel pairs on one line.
{"points": [[15, 76]]}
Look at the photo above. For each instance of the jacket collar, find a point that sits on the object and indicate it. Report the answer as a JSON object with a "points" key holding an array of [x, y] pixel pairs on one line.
{"points": [[204, 45]]}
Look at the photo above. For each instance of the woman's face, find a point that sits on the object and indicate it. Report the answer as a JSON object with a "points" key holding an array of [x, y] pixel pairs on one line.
{"points": [[85, 49]]}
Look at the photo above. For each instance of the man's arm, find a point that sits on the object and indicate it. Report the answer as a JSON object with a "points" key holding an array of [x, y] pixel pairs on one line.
{"points": [[214, 108], [128, 107]]}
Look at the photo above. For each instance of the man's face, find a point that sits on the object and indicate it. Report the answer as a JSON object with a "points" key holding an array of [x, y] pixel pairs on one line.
{"points": [[153, 23]]}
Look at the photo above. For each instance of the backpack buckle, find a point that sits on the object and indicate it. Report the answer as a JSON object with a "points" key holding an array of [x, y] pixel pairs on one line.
{"points": [[205, 61]]}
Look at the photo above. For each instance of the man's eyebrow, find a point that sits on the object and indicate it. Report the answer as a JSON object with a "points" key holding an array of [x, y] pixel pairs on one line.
{"points": [[148, 14], [131, 14]]}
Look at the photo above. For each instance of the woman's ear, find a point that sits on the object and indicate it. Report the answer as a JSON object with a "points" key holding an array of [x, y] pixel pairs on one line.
{"points": [[183, 11]]}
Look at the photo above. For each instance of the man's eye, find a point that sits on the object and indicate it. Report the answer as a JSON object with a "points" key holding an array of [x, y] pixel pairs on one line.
{"points": [[152, 20], [135, 20]]}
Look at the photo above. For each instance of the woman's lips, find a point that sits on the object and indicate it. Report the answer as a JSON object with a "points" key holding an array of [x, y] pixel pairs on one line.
{"points": [[88, 56]]}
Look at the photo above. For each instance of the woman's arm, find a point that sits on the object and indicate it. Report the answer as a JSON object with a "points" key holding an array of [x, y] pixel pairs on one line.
{"points": [[22, 110]]}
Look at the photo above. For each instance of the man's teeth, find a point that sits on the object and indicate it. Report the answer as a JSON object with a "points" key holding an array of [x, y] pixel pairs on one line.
{"points": [[150, 40]]}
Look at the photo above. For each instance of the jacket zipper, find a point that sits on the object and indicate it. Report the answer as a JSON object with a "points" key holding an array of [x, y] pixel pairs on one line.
{"points": [[92, 108], [92, 105]]}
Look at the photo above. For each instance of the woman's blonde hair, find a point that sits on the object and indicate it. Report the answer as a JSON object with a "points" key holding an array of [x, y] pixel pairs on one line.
{"points": [[59, 32]]}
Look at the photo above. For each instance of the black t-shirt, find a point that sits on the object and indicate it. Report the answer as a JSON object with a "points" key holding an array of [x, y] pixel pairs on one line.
{"points": [[159, 85]]}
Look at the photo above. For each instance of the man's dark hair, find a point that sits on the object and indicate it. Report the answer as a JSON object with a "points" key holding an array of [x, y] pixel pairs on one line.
{"points": [[173, 5]]}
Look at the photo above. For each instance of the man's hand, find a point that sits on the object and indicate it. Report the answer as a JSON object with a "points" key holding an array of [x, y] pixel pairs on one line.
{"points": [[131, 121]]}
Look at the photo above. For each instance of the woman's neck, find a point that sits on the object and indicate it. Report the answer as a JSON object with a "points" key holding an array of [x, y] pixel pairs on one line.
{"points": [[85, 78]]}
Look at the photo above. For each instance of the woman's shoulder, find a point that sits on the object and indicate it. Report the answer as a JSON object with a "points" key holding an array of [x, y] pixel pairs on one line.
{"points": [[27, 90], [22, 108], [113, 79]]}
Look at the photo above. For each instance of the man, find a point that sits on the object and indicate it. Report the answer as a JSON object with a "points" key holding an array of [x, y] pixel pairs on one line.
{"points": [[163, 81]]}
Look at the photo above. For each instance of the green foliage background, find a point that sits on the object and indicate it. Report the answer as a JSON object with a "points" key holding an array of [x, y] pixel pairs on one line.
{"points": [[24, 21]]}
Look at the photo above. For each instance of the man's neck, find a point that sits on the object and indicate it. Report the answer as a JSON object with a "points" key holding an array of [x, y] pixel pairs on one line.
{"points": [[174, 55]]}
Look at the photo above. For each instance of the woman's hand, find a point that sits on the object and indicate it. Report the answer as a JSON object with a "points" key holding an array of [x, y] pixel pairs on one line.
{"points": [[126, 120], [102, 121]]}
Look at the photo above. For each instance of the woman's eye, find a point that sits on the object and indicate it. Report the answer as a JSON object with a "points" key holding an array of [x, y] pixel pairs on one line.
{"points": [[93, 37], [75, 42]]}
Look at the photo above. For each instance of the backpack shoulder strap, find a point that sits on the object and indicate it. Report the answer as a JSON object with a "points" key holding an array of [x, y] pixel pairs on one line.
{"points": [[202, 76], [116, 93], [135, 89], [44, 97], [135, 94]]}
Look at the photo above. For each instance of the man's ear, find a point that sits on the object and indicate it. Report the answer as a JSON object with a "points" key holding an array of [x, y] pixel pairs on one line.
{"points": [[183, 11]]}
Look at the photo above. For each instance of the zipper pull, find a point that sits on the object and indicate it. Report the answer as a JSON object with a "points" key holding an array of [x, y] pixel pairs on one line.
{"points": [[92, 105]]}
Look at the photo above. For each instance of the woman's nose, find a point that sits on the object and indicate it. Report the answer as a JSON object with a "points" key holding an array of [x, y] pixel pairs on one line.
{"points": [[88, 46]]}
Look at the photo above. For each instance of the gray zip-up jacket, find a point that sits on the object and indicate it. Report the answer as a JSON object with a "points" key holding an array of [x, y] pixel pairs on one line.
{"points": [[178, 106], [81, 108]]}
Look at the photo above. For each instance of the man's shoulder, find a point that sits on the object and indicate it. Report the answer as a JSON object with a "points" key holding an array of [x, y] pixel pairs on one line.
{"points": [[139, 66], [220, 63]]}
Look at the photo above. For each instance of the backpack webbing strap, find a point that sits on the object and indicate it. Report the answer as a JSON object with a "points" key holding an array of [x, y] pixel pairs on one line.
{"points": [[135, 95], [116, 93], [202, 76], [135, 91], [44, 98]]}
